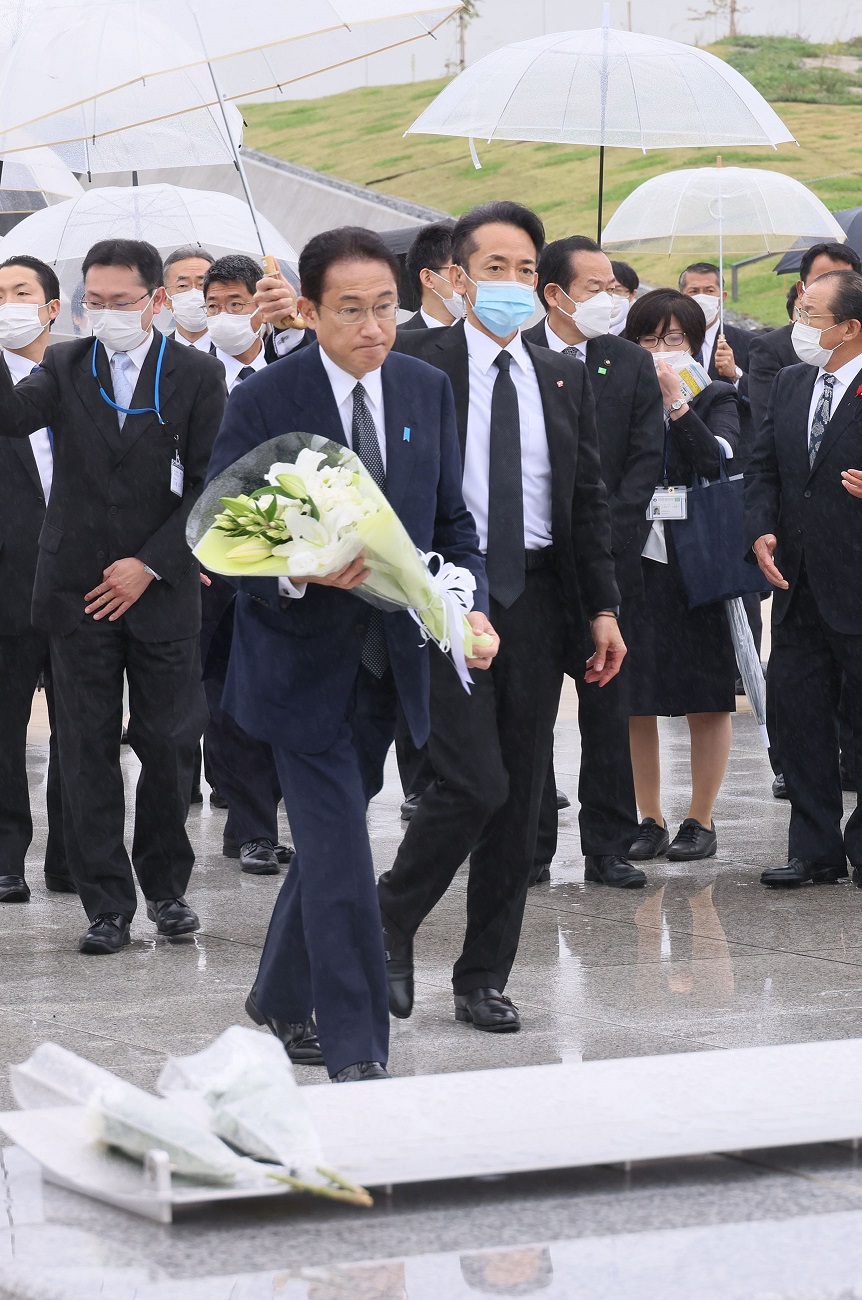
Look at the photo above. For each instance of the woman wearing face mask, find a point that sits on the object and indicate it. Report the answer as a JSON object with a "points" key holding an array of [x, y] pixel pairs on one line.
{"points": [[681, 661]]}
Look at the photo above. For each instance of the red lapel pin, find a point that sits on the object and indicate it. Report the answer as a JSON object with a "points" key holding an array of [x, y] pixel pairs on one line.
{"points": [[859, 391]]}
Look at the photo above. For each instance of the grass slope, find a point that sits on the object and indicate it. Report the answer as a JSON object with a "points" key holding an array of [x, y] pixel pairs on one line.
{"points": [[358, 135]]}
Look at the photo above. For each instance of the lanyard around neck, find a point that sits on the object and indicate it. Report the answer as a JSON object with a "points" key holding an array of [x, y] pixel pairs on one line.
{"points": [[136, 410]]}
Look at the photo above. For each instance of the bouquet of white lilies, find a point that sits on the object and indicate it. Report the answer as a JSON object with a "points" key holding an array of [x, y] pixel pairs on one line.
{"points": [[300, 506]]}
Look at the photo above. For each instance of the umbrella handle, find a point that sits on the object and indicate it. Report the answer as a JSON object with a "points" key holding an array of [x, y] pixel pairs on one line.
{"points": [[271, 267]]}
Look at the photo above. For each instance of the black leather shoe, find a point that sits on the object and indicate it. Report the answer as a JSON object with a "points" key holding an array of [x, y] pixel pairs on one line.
{"points": [[299, 1040], [172, 916], [779, 787], [409, 806], [613, 871], [108, 933], [361, 1071], [399, 977], [284, 852], [258, 858], [541, 873], [856, 876], [488, 1009], [197, 795], [799, 872], [652, 841], [563, 800], [14, 889], [217, 800], [57, 884], [692, 842]]}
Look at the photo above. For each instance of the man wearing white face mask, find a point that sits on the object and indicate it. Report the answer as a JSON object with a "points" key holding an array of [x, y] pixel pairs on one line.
{"points": [[803, 521], [428, 262], [185, 269], [133, 417], [722, 356]]}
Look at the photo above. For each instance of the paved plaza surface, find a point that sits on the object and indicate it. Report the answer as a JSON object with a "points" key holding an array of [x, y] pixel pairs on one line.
{"points": [[703, 958]]}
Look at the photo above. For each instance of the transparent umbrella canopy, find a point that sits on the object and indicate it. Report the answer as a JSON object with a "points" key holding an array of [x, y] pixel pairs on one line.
{"points": [[32, 181], [167, 216], [605, 88]]}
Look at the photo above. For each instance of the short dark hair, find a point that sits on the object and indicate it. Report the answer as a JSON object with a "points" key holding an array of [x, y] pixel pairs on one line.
{"points": [[702, 268], [626, 275], [846, 294], [431, 249], [555, 264], [136, 254], [499, 212], [651, 315], [343, 244], [183, 255], [792, 299], [836, 252], [46, 275], [234, 268]]}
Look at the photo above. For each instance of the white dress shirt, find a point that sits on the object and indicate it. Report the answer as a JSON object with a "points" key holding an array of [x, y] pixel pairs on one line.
{"points": [[709, 348], [844, 376], [482, 352], [203, 344], [286, 340], [432, 322], [232, 366], [137, 356], [342, 385], [556, 344], [19, 368]]}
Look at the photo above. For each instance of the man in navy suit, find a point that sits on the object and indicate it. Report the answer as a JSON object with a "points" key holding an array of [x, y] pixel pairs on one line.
{"points": [[317, 672], [803, 520]]}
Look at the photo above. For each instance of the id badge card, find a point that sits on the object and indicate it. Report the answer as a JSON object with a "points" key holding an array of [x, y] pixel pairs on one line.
{"points": [[177, 475], [669, 503]]}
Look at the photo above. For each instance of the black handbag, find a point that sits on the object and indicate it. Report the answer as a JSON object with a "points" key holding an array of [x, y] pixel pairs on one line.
{"points": [[709, 543]]}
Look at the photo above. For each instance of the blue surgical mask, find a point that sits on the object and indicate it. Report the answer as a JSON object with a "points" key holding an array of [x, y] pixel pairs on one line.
{"points": [[503, 305]]}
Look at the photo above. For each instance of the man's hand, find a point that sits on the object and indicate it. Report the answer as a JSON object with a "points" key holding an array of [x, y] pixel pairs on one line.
{"points": [[352, 575], [764, 549], [852, 480], [610, 650], [725, 361], [276, 302], [125, 581], [485, 654]]}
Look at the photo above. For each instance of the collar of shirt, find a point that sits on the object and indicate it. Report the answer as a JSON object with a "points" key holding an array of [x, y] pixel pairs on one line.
{"points": [[343, 384], [19, 367], [137, 355], [203, 344], [232, 366], [483, 350], [430, 320], [556, 344], [844, 377], [709, 341]]}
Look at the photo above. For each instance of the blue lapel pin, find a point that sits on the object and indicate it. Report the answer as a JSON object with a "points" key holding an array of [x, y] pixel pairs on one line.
{"points": [[406, 434]]}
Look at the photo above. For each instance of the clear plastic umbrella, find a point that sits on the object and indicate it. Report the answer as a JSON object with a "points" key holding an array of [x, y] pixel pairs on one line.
{"points": [[604, 87], [748, 662], [165, 215], [31, 181], [689, 211]]}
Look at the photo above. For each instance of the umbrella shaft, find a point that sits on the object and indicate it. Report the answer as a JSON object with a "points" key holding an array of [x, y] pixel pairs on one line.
{"points": [[601, 190]]}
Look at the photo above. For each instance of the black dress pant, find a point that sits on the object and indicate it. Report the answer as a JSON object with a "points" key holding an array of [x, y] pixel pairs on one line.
{"points": [[490, 752], [808, 661], [243, 770], [166, 718], [22, 659]]}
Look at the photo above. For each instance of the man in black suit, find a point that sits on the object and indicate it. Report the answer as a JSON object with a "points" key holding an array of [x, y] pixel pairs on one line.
{"points": [[29, 303], [532, 480], [575, 281], [133, 417], [724, 355], [185, 270], [428, 262], [804, 523]]}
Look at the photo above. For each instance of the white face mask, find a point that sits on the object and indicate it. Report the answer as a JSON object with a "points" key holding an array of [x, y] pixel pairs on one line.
{"points": [[619, 313], [233, 334], [455, 304], [121, 330], [189, 310], [592, 317], [20, 324], [709, 305], [676, 360], [807, 345]]}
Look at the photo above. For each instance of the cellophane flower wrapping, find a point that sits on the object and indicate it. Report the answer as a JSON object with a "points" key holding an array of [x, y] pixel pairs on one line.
{"points": [[303, 506]]}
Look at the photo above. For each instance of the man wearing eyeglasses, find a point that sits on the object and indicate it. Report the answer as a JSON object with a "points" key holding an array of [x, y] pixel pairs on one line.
{"points": [[133, 417], [317, 673]]}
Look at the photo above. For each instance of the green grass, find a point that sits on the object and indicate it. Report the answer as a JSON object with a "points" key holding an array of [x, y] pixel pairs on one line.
{"points": [[358, 136]]}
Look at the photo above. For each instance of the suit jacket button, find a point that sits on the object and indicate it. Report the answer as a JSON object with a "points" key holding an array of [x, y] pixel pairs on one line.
{"points": [[807, 494], [113, 510], [100, 555]]}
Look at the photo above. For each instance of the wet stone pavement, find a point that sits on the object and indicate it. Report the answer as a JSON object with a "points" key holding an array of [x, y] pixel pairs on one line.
{"points": [[703, 958]]}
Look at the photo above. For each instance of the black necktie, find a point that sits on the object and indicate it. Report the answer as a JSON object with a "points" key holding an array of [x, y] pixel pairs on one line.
{"points": [[366, 444], [245, 372], [505, 556]]}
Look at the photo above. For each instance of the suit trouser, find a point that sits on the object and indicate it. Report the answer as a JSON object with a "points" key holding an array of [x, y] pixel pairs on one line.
{"points": [[324, 947], [243, 770], [607, 813], [504, 728], [167, 713], [22, 658], [808, 659], [414, 764]]}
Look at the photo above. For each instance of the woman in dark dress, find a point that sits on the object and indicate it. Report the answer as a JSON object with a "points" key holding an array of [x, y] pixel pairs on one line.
{"points": [[680, 661]]}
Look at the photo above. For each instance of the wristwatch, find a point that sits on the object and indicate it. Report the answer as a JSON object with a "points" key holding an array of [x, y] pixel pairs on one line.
{"points": [[674, 406]]}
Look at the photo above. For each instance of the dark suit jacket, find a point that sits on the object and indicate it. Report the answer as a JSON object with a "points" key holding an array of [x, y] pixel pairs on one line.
{"points": [[22, 511], [692, 451], [294, 663], [768, 354], [813, 516], [111, 494], [740, 341], [580, 520], [415, 322], [630, 425]]}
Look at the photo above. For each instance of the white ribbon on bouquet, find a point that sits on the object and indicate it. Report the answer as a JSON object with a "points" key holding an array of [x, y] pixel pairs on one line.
{"points": [[456, 588]]}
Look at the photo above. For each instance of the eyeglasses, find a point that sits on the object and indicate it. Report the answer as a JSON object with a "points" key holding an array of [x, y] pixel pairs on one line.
{"points": [[355, 315], [674, 339], [114, 306], [808, 317], [232, 309]]}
